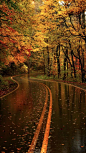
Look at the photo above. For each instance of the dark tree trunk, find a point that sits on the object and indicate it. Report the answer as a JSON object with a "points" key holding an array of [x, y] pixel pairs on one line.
{"points": [[68, 61], [67, 68], [58, 61], [65, 60], [82, 66], [65, 64], [73, 63], [83, 19], [44, 62], [48, 59]]}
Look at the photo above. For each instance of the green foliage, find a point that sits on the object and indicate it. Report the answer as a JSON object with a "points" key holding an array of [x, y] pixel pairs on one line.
{"points": [[1, 79], [10, 4], [3, 84], [1, 12], [43, 77]]}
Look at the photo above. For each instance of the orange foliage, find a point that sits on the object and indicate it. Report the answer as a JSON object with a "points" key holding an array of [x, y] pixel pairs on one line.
{"points": [[14, 45]]}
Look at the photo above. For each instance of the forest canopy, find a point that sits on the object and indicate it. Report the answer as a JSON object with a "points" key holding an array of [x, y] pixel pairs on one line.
{"points": [[51, 32]]}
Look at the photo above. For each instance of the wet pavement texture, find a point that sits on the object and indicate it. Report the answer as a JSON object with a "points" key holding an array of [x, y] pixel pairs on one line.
{"points": [[21, 110], [19, 116], [68, 125]]}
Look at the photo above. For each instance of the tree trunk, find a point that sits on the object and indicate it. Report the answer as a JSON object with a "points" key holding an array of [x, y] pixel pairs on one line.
{"points": [[44, 62], [48, 59], [65, 60], [65, 64], [82, 66], [73, 63], [58, 61]]}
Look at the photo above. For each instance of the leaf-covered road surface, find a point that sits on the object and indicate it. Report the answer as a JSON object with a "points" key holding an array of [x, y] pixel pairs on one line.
{"points": [[20, 113]]}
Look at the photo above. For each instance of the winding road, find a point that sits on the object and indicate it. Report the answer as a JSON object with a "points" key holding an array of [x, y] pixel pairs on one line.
{"points": [[25, 118]]}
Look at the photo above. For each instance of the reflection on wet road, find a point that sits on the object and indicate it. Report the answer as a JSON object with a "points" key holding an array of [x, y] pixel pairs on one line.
{"points": [[68, 127], [21, 110], [19, 116]]}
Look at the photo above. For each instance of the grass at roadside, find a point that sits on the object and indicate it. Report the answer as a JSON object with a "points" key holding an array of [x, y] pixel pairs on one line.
{"points": [[7, 85], [68, 80]]}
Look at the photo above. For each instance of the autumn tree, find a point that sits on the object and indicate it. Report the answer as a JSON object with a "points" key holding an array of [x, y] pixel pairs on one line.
{"points": [[64, 25], [75, 24], [15, 37]]}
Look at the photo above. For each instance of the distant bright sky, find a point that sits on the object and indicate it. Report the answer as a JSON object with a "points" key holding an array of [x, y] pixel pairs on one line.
{"points": [[61, 2]]}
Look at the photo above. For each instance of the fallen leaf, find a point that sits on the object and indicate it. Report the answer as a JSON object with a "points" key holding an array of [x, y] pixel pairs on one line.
{"points": [[62, 144]]}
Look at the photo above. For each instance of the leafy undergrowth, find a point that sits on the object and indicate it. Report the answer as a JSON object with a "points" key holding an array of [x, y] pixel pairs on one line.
{"points": [[6, 85]]}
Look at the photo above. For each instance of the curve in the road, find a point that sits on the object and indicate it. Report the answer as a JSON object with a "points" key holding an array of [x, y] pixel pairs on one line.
{"points": [[46, 134], [47, 130], [34, 140], [12, 90], [60, 82]]}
